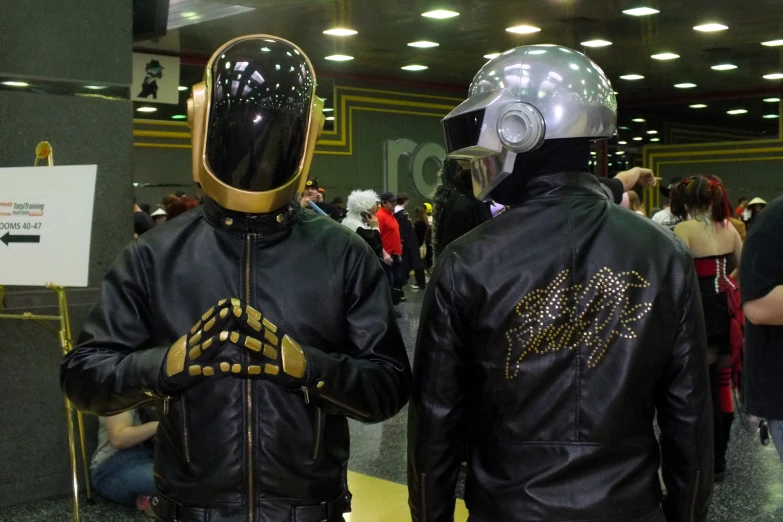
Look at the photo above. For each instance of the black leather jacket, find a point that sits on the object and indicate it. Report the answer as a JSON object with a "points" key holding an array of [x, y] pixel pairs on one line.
{"points": [[229, 440], [550, 338]]}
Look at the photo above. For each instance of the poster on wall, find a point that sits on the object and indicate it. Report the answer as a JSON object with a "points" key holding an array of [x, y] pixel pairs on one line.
{"points": [[155, 78], [46, 224]]}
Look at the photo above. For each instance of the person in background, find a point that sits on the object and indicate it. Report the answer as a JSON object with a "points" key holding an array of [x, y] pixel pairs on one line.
{"points": [[142, 222], [421, 225], [168, 199], [392, 243], [180, 194], [428, 252], [634, 203], [159, 216], [411, 256], [761, 273], [456, 211], [752, 210], [716, 246], [741, 204], [339, 204], [312, 195], [121, 467], [180, 206]]}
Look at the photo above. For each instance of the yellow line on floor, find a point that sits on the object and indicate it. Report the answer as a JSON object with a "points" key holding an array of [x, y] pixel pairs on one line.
{"points": [[378, 500]]}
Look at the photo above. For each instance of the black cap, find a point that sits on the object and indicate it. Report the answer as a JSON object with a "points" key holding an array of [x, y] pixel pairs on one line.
{"points": [[388, 196], [312, 183]]}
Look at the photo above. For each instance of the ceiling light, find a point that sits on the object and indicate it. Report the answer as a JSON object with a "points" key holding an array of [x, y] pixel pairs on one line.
{"points": [[16, 84], [491, 56], [537, 51], [723, 67], [182, 88], [266, 49], [593, 153], [770, 116], [772, 100], [596, 43], [423, 44], [328, 110], [632, 77], [523, 29], [620, 152], [414, 67], [710, 28], [339, 58], [655, 139], [685, 85], [774, 76], [638, 120], [641, 11], [734, 112], [698, 106], [652, 132], [638, 138], [623, 127], [622, 143], [773, 43], [179, 117], [96, 87], [330, 118], [440, 14], [340, 31], [147, 109], [665, 56]]}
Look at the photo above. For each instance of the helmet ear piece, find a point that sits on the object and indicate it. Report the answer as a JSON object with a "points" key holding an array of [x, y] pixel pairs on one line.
{"points": [[521, 127]]}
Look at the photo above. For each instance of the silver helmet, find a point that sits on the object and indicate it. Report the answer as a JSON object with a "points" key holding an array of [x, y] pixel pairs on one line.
{"points": [[521, 98]]}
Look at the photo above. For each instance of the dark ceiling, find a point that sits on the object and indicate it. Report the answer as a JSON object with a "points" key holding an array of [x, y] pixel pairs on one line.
{"points": [[386, 27]]}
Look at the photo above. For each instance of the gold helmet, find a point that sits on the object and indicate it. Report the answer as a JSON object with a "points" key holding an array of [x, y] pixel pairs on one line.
{"points": [[255, 120]]}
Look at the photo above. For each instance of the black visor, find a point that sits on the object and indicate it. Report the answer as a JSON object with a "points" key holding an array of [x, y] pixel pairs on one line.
{"points": [[463, 131], [262, 90]]}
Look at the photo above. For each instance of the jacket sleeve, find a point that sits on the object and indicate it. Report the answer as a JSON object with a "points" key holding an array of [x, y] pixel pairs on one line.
{"points": [[685, 413], [370, 379], [436, 416], [109, 370]]}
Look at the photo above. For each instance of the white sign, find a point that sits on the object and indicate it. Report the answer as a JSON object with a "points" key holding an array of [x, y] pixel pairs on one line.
{"points": [[155, 78], [46, 224]]}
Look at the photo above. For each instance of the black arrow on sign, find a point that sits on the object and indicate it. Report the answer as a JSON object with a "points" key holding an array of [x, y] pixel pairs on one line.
{"points": [[8, 238]]}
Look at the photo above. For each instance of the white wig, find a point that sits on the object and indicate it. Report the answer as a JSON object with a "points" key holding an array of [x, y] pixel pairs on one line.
{"points": [[361, 201]]}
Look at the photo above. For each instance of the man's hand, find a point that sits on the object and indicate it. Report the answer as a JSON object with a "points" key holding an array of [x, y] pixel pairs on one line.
{"points": [[304, 202], [637, 176]]}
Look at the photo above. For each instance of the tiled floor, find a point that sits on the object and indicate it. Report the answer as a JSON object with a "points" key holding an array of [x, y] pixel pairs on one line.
{"points": [[753, 491]]}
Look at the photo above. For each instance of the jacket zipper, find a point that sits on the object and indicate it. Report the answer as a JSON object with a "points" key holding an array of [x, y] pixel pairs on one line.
{"points": [[249, 392], [695, 496], [424, 514], [344, 406], [185, 436], [319, 420]]}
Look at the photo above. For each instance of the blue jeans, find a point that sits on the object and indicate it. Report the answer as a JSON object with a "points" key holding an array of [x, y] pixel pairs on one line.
{"points": [[125, 475], [776, 430]]}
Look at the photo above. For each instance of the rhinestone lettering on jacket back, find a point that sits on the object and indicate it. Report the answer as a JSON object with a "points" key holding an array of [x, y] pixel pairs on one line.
{"points": [[562, 317]]}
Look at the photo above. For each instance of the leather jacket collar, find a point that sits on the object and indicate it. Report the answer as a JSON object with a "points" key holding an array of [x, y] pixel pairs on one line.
{"points": [[563, 184], [270, 224]]}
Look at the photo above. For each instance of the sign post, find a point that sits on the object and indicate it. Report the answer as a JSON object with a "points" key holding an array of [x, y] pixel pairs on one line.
{"points": [[37, 207]]}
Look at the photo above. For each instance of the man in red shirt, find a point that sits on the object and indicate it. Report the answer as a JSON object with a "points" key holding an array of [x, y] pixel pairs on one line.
{"points": [[392, 244]]}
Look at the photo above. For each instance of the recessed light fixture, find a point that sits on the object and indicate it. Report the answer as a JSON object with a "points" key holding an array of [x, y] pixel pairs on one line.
{"points": [[523, 29], [339, 58], [638, 138], [329, 109], [179, 117], [414, 67], [685, 85], [774, 76], [655, 139], [638, 120], [330, 118], [652, 132], [593, 153], [773, 43], [96, 87], [710, 28], [182, 88], [641, 11], [665, 56], [698, 106], [723, 67], [147, 109], [423, 44], [620, 152], [491, 56], [772, 100], [340, 31], [596, 43], [770, 116], [632, 77], [440, 14], [16, 84], [734, 112], [622, 143]]}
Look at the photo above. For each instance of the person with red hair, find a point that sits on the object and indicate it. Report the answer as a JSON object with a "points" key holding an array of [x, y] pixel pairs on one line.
{"points": [[180, 206]]}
